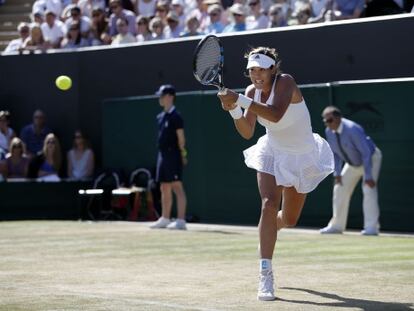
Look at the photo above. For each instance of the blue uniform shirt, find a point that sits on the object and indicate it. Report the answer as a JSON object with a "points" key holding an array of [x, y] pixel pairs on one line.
{"points": [[357, 145], [168, 124]]}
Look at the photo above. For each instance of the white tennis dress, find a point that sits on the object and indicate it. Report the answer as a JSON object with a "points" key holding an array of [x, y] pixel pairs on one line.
{"points": [[290, 151]]}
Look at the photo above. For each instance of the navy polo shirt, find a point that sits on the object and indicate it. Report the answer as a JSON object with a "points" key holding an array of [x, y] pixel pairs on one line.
{"points": [[168, 124]]}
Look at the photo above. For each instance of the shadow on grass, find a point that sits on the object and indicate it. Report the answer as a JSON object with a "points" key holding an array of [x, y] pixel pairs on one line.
{"points": [[344, 302]]}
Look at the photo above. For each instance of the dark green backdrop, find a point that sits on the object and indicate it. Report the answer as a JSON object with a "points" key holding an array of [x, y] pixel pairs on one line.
{"points": [[221, 189]]}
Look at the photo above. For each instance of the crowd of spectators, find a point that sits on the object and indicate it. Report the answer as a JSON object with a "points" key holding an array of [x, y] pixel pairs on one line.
{"points": [[37, 153], [67, 24]]}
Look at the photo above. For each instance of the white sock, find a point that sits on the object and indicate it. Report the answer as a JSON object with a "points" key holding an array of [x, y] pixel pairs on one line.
{"points": [[265, 265]]}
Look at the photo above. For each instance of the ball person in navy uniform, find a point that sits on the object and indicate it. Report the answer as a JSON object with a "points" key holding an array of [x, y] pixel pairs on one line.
{"points": [[172, 155]]}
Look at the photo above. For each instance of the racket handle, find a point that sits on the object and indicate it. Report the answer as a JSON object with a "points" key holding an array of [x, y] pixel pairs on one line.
{"points": [[222, 91]]}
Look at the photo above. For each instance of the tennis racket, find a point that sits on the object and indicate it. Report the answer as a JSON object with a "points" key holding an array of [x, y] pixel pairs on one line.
{"points": [[208, 62]]}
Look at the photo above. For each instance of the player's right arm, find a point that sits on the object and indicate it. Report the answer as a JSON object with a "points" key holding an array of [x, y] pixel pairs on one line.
{"points": [[244, 123]]}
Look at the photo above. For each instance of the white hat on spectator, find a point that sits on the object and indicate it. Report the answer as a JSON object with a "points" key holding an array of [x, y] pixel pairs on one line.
{"points": [[213, 8], [238, 8], [173, 16], [177, 2]]}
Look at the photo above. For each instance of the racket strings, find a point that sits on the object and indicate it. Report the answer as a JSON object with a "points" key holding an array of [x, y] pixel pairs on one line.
{"points": [[208, 61]]}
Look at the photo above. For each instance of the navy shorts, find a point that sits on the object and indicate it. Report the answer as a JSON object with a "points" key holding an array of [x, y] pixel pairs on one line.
{"points": [[169, 166]]}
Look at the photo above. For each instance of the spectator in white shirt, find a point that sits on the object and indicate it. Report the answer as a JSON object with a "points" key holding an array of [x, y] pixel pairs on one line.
{"points": [[173, 28], [17, 44], [157, 28], [123, 36], [119, 12], [53, 30], [178, 8], [256, 19]]}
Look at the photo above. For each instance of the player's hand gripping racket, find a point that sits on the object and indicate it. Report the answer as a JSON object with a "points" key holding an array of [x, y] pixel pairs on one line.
{"points": [[208, 63]]}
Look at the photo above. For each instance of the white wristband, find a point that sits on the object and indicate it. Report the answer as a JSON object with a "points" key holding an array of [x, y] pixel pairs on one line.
{"points": [[244, 101], [236, 113]]}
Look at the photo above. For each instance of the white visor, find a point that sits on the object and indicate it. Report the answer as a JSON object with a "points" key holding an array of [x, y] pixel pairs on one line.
{"points": [[260, 60]]}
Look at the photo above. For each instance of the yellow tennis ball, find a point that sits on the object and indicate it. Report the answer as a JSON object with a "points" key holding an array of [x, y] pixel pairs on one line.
{"points": [[63, 83]]}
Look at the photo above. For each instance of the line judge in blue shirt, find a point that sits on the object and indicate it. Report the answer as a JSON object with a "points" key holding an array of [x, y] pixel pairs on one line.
{"points": [[355, 156]]}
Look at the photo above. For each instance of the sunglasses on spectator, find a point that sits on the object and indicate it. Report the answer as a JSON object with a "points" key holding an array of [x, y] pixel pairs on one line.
{"points": [[113, 7], [141, 23], [275, 12], [237, 15], [214, 13], [161, 10], [330, 120], [253, 3], [73, 29], [74, 14]]}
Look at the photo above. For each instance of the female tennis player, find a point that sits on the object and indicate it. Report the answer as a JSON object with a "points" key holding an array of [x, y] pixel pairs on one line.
{"points": [[289, 159]]}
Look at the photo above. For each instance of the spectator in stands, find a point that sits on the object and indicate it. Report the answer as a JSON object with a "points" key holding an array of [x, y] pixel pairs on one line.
{"points": [[192, 28], [256, 19], [47, 5], [36, 41], [74, 37], [178, 8], [238, 12], [6, 132], [301, 16], [201, 13], [83, 21], [172, 29], [16, 163], [146, 7], [318, 9], [87, 6], [99, 33], [143, 30], [47, 164], [53, 30], [276, 16], [214, 24], [157, 28], [349, 8], [37, 18], [123, 36], [81, 159], [119, 12], [33, 135], [162, 9], [16, 45]]}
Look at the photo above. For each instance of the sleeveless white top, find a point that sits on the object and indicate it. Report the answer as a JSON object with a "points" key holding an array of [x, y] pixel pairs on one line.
{"points": [[80, 166], [289, 150]]}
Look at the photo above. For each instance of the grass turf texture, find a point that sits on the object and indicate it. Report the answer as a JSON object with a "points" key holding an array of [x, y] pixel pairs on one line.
{"points": [[48, 265]]}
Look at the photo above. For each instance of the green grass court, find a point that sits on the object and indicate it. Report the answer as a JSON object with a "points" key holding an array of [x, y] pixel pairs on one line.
{"points": [[62, 265]]}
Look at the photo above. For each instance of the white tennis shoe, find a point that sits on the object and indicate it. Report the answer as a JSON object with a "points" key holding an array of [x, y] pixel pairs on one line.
{"points": [[178, 224], [266, 291], [161, 223]]}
